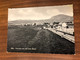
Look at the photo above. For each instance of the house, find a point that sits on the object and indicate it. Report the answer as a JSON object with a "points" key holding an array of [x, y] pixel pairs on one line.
{"points": [[47, 25], [70, 24], [64, 25]]}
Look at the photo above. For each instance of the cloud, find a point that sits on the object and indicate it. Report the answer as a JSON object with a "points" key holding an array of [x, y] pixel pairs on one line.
{"points": [[38, 13], [53, 12]]}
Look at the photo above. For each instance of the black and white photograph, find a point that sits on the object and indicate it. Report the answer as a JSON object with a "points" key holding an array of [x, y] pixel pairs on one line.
{"points": [[45, 29]]}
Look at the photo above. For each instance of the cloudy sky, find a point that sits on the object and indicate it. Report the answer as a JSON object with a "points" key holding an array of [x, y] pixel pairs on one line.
{"points": [[38, 13]]}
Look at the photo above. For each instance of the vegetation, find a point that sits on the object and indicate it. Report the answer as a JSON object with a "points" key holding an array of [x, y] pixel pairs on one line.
{"points": [[43, 40]]}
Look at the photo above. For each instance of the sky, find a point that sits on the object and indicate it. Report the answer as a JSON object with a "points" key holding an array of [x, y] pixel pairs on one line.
{"points": [[39, 13]]}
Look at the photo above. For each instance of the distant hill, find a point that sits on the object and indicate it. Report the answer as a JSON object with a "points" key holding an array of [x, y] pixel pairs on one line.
{"points": [[57, 18], [62, 18]]}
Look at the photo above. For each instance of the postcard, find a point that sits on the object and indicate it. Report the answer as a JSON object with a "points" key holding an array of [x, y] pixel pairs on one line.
{"points": [[45, 29]]}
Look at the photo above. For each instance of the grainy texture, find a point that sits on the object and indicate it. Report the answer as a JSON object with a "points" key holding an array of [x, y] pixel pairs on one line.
{"points": [[5, 4]]}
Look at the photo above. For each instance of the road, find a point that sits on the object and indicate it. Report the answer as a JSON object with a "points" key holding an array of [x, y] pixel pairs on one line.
{"points": [[66, 36]]}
